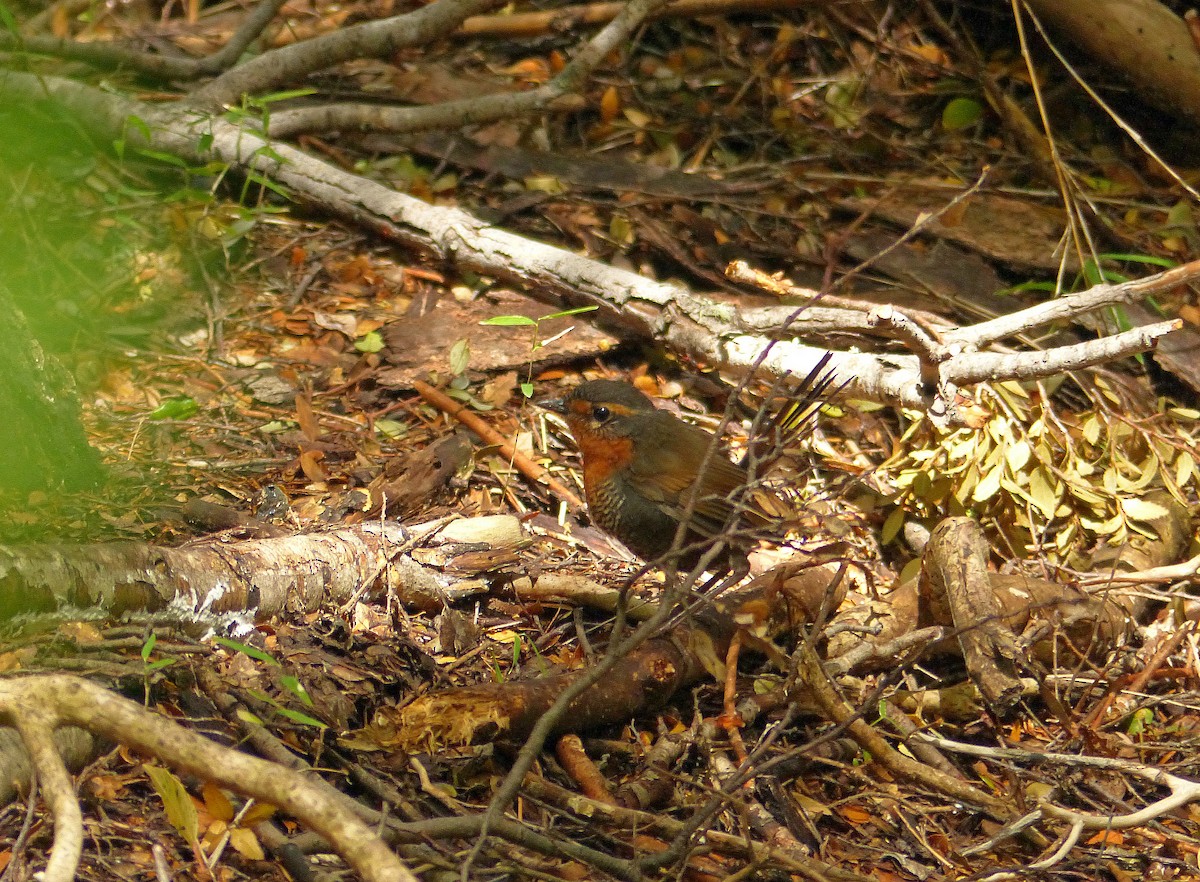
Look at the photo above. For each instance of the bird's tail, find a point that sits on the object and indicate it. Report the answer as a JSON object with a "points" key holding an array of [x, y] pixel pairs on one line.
{"points": [[782, 430]]}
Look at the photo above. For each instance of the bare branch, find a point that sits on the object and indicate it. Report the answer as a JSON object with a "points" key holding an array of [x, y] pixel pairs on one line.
{"points": [[471, 111], [1182, 790], [1071, 306], [374, 39], [112, 55], [700, 328], [35, 705]]}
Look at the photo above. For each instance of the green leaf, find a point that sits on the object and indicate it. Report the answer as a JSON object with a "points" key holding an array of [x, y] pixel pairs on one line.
{"points": [[961, 113], [8, 20], [391, 428], [248, 717], [369, 342], [178, 408], [460, 356], [1164, 262], [160, 156], [302, 719], [294, 686], [282, 96], [527, 390], [251, 651], [148, 646], [1139, 720], [266, 183], [159, 665], [177, 803], [133, 121], [1180, 216], [578, 310], [510, 321]]}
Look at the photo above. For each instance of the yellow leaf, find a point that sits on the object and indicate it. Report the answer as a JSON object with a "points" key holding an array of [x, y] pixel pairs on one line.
{"points": [[1017, 455], [988, 485], [177, 803], [545, 184], [246, 844], [216, 802], [891, 526], [1142, 509], [637, 117], [1185, 469], [260, 811], [1043, 493]]}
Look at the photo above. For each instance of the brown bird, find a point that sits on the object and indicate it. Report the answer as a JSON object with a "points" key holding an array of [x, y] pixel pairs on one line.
{"points": [[643, 468]]}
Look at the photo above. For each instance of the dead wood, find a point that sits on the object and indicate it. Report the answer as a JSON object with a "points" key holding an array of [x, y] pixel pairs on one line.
{"points": [[1087, 622], [567, 18], [1123, 34], [37, 705], [955, 590], [739, 340], [645, 679], [257, 577]]}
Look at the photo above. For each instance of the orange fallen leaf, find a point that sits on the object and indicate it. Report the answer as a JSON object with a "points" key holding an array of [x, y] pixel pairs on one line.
{"points": [[610, 104], [1107, 837]]}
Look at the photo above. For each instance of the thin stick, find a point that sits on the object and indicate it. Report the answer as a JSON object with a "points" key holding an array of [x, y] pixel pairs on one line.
{"points": [[523, 463]]}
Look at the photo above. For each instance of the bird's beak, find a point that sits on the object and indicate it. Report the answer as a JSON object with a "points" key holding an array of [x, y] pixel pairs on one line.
{"points": [[554, 405]]}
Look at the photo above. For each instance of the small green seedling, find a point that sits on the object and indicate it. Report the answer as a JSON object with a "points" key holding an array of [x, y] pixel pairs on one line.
{"points": [[536, 342]]}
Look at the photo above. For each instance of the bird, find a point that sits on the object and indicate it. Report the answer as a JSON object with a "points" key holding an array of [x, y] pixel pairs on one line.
{"points": [[645, 471]]}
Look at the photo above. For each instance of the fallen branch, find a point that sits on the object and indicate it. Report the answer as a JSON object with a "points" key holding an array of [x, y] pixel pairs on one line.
{"points": [[520, 461], [258, 577], [568, 19], [1183, 790], [37, 705], [700, 328]]}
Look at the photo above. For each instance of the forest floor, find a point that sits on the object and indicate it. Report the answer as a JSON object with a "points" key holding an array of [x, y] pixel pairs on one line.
{"points": [[263, 359]]}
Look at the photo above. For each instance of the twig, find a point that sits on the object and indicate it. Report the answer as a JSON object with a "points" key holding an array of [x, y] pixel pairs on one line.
{"points": [[568, 19], [523, 463], [16, 858], [835, 709], [664, 825], [109, 55], [162, 872], [373, 39], [1174, 573], [1182, 790]]}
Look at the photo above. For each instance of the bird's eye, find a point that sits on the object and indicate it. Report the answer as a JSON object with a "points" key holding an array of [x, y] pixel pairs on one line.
{"points": [[600, 413]]}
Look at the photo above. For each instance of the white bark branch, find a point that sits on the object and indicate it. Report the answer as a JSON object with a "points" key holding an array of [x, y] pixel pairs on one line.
{"points": [[700, 328], [1182, 790]]}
